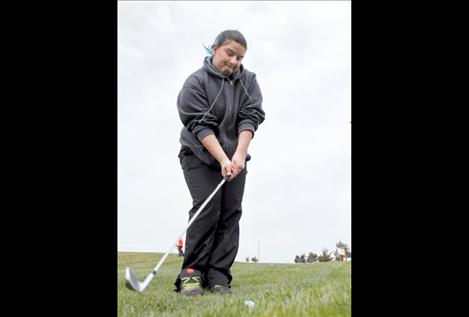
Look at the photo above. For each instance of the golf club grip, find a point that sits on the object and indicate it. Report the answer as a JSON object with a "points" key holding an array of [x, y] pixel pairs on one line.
{"points": [[248, 158]]}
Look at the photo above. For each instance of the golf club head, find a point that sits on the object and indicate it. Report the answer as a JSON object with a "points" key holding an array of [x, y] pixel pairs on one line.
{"points": [[131, 280]]}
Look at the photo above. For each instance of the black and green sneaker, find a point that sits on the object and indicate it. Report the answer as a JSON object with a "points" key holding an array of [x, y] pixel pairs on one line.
{"points": [[191, 282], [220, 289]]}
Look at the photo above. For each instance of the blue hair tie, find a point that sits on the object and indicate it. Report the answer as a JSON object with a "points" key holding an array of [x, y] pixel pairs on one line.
{"points": [[208, 50]]}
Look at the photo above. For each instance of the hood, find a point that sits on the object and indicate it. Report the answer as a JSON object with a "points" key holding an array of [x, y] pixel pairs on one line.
{"points": [[209, 68]]}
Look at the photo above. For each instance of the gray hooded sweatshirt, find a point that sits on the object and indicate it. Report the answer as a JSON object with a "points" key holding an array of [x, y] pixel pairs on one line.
{"points": [[212, 103]]}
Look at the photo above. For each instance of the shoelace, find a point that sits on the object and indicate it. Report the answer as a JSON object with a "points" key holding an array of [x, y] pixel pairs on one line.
{"points": [[188, 284]]}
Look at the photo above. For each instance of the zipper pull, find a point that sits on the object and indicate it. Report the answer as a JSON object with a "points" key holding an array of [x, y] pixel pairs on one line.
{"points": [[231, 82]]}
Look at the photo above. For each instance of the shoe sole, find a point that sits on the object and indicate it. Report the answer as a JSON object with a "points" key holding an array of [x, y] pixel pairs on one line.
{"points": [[193, 293]]}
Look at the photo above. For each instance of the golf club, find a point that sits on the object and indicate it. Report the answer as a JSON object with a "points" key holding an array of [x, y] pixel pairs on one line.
{"points": [[131, 280]]}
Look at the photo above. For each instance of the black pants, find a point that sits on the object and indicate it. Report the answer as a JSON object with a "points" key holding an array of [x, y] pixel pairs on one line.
{"points": [[213, 238]]}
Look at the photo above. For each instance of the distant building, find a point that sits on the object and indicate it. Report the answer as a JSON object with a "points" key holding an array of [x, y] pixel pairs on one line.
{"points": [[341, 255]]}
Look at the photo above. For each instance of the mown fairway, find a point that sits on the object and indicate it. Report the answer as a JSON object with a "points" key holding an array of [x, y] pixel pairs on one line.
{"points": [[319, 289]]}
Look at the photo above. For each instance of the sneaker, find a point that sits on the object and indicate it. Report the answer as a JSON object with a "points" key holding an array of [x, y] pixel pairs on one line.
{"points": [[220, 289], [191, 282]]}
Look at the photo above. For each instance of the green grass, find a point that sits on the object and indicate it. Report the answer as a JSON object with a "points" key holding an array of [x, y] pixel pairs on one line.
{"points": [[278, 290]]}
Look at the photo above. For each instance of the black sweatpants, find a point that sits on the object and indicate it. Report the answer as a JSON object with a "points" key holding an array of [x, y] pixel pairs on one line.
{"points": [[213, 238]]}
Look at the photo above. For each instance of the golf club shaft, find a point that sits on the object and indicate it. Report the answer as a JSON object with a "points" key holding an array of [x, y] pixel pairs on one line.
{"points": [[150, 276]]}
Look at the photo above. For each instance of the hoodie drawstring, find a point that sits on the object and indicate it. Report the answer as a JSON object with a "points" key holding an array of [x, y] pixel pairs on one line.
{"points": [[245, 90], [218, 95], [216, 98]]}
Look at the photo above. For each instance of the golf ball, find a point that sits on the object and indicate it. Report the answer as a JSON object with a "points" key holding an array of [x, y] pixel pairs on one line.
{"points": [[250, 304]]}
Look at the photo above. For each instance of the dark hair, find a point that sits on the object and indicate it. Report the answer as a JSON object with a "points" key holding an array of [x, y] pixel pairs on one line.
{"points": [[227, 35], [233, 35]]}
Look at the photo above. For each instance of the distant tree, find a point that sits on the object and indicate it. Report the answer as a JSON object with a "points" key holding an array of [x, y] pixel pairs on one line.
{"points": [[345, 247], [247, 259], [342, 245], [312, 257], [325, 256], [297, 259], [303, 258], [254, 259]]}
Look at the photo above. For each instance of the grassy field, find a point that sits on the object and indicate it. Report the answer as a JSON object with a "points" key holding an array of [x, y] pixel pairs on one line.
{"points": [[283, 290]]}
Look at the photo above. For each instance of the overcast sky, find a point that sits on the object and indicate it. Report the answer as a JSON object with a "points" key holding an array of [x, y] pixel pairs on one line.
{"points": [[298, 189]]}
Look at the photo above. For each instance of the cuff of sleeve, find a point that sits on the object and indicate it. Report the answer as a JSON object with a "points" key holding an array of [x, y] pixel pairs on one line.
{"points": [[203, 133], [246, 126]]}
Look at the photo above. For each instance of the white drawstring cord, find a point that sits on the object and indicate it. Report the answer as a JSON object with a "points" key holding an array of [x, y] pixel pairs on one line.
{"points": [[218, 95], [216, 98], [245, 90]]}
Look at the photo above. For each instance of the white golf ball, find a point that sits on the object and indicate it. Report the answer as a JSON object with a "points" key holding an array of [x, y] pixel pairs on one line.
{"points": [[250, 304]]}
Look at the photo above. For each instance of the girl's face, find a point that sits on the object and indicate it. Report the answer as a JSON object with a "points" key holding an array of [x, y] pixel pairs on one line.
{"points": [[227, 57]]}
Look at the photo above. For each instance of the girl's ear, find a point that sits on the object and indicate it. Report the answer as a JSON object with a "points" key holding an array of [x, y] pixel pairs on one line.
{"points": [[214, 49]]}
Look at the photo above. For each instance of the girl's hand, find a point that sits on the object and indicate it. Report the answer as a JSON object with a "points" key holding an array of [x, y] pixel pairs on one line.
{"points": [[238, 162], [227, 169]]}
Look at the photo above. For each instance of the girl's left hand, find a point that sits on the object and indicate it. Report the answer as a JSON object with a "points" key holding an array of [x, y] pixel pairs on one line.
{"points": [[238, 163]]}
